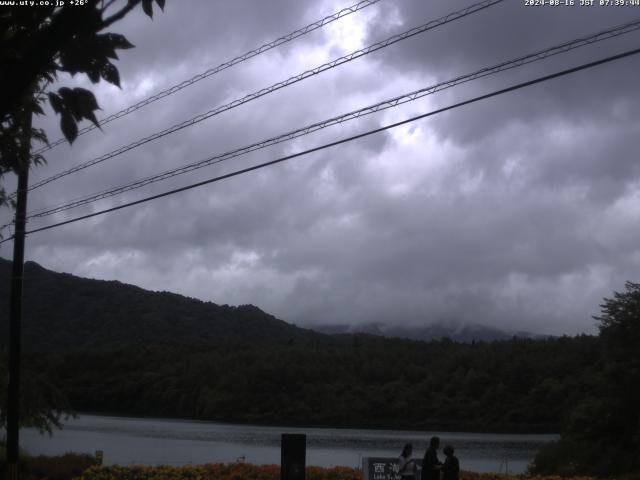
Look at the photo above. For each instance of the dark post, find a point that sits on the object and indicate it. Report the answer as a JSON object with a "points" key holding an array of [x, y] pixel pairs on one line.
{"points": [[293, 456], [15, 311]]}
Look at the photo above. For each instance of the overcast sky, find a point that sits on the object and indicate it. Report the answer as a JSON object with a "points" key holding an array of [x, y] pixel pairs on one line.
{"points": [[521, 211]]}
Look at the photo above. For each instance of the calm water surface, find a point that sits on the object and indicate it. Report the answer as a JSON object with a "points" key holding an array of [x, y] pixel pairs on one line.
{"points": [[127, 441]]}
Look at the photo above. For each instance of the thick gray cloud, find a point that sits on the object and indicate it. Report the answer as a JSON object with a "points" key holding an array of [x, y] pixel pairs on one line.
{"points": [[520, 211]]}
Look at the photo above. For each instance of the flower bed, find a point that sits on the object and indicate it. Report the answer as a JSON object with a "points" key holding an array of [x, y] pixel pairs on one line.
{"points": [[244, 471]]}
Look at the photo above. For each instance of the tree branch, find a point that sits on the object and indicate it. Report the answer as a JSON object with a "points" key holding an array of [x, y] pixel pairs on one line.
{"points": [[104, 7], [119, 15]]}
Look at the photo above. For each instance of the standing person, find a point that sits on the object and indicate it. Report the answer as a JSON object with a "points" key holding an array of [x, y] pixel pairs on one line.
{"points": [[406, 464], [451, 467], [430, 464]]}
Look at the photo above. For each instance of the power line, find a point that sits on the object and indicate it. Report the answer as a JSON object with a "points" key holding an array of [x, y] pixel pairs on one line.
{"points": [[344, 140], [393, 102], [277, 86], [223, 66]]}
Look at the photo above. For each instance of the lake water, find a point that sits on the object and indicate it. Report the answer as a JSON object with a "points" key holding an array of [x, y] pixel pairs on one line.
{"points": [[128, 441]]}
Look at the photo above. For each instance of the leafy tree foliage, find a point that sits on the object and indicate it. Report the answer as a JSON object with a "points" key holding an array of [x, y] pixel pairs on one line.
{"points": [[601, 434], [42, 403], [38, 43]]}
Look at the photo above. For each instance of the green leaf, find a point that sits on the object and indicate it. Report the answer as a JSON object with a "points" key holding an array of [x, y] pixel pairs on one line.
{"points": [[38, 160], [77, 56], [82, 104], [66, 100], [50, 76], [160, 4], [92, 117], [110, 73], [93, 74], [69, 127], [39, 135], [109, 52], [117, 41], [86, 100], [147, 6], [56, 102], [36, 108]]}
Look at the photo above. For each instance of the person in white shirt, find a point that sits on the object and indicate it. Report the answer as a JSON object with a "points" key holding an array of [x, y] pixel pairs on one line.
{"points": [[406, 464]]}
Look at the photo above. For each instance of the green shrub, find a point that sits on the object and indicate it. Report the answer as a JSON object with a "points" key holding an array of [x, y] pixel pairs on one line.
{"points": [[62, 467], [569, 458]]}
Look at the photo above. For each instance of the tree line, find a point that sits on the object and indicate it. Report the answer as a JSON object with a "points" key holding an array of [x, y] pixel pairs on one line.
{"points": [[365, 381]]}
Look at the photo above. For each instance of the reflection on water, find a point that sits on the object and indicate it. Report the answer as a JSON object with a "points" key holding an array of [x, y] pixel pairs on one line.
{"points": [[153, 441]]}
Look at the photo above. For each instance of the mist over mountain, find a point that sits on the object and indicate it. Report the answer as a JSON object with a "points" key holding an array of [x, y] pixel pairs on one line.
{"points": [[458, 332]]}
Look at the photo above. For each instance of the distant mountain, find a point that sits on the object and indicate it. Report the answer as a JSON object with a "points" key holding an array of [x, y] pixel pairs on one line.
{"points": [[62, 311], [436, 331]]}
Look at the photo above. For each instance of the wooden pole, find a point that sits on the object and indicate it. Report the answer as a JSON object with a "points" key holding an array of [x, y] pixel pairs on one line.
{"points": [[15, 311]]}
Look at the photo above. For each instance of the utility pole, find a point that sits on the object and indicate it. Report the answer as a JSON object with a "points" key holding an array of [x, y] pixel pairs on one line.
{"points": [[15, 311]]}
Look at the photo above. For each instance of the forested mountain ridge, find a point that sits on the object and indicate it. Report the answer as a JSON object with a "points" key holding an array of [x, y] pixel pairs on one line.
{"points": [[117, 348], [62, 311]]}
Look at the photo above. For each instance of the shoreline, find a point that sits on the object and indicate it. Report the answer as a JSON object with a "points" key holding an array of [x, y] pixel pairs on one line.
{"points": [[434, 428], [152, 441]]}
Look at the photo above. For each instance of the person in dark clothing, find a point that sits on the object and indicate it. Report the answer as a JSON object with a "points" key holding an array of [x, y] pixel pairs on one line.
{"points": [[451, 467], [430, 464]]}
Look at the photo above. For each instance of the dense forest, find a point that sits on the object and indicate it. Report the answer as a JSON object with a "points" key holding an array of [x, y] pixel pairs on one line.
{"points": [[355, 381], [106, 347]]}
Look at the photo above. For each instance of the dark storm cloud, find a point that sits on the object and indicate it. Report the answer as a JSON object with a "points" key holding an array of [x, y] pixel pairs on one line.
{"points": [[507, 31], [502, 31], [207, 33], [520, 211]]}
